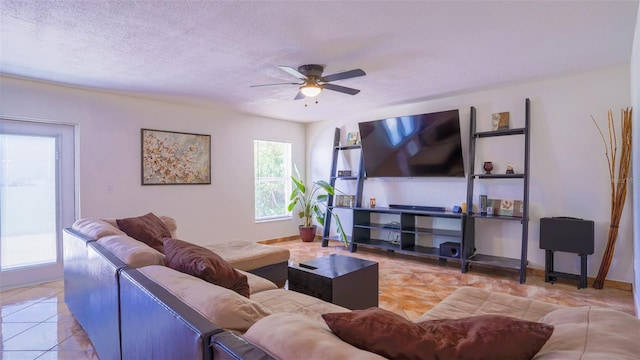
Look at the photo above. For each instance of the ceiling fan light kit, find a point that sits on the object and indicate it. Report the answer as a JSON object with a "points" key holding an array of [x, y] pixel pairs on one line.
{"points": [[313, 81], [310, 90]]}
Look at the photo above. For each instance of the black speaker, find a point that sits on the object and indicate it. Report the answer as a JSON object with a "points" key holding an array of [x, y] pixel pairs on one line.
{"points": [[566, 234], [450, 249]]}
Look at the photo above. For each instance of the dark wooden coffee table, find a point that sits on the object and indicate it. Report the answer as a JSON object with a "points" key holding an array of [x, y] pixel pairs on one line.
{"points": [[341, 280]]}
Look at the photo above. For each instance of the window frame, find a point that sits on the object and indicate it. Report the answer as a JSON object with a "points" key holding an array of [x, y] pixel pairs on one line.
{"points": [[288, 164]]}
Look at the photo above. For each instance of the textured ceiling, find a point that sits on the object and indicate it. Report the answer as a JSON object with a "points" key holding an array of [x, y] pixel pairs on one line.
{"points": [[210, 53]]}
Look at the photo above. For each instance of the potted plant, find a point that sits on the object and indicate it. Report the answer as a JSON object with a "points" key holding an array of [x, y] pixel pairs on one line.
{"points": [[312, 202]]}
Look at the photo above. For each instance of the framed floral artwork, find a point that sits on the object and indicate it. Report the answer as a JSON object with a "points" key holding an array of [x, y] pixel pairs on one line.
{"points": [[175, 158]]}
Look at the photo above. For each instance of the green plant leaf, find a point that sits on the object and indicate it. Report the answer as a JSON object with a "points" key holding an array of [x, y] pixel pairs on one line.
{"points": [[326, 186], [299, 185], [343, 235]]}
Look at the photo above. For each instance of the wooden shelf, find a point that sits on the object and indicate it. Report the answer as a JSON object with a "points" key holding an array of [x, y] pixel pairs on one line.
{"points": [[348, 147], [386, 210], [497, 217], [345, 177], [499, 176], [423, 250], [494, 261], [381, 244], [483, 134]]}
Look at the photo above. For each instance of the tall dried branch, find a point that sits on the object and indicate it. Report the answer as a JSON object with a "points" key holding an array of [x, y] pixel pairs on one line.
{"points": [[618, 185]]}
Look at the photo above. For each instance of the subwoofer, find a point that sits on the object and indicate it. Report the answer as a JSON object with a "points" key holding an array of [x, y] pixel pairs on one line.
{"points": [[450, 249]]}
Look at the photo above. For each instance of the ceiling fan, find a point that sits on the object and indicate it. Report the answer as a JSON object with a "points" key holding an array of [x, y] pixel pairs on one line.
{"points": [[313, 82]]}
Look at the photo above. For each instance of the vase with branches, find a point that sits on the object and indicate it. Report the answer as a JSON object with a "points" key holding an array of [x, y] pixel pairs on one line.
{"points": [[618, 179]]}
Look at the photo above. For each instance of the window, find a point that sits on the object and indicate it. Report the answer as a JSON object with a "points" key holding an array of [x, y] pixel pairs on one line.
{"points": [[272, 171]]}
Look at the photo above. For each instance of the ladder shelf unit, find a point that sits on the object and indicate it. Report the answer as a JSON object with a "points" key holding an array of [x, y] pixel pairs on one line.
{"points": [[358, 178], [471, 237]]}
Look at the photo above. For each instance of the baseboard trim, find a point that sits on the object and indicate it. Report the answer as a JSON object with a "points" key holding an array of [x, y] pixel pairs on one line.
{"points": [[282, 239], [612, 284]]}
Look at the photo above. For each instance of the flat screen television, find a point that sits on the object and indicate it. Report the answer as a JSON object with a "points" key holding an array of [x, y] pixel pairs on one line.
{"points": [[425, 145]]}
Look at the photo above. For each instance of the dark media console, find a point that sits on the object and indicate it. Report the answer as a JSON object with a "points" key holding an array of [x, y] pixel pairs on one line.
{"points": [[410, 229], [418, 207]]}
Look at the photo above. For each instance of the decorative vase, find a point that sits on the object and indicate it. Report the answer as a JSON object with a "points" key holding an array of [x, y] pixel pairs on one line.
{"points": [[307, 234], [488, 166]]}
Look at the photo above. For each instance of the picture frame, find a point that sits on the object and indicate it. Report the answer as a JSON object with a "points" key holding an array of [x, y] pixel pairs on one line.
{"points": [[175, 158], [507, 207], [499, 121], [345, 200], [353, 138]]}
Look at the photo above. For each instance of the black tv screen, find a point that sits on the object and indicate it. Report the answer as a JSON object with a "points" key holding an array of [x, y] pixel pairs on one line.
{"points": [[413, 146]]}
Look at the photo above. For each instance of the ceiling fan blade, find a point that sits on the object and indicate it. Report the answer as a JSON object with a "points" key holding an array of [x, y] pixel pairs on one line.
{"points": [[299, 96], [275, 84], [342, 89], [293, 72], [344, 75]]}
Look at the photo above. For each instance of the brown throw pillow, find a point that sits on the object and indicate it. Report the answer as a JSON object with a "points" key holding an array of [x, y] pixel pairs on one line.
{"points": [[381, 332], [147, 228], [487, 337], [205, 264], [478, 337]]}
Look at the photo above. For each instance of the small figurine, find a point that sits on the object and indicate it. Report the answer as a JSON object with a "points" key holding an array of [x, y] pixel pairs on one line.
{"points": [[510, 169]]}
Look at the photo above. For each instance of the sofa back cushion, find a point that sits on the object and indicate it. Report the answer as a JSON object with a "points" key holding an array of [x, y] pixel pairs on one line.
{"points": [[223, 307], [170, 222], [148, 228], [205, 264], [591, 332], [95, 229], [131, 251]]}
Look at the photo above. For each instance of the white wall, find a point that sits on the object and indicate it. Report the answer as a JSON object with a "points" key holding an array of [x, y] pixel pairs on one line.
{"points": [[109, 134], [635, 102], [569, 174]]}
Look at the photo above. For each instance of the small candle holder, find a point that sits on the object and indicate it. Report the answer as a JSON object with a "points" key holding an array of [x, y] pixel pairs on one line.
{"points": [[510, 169], [488, 166]]}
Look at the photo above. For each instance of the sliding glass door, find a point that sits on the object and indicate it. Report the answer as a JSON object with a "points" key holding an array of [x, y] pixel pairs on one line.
{"points": [[37, 199]]}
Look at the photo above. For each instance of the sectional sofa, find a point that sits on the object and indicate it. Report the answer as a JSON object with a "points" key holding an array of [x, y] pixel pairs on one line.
{"points": [[132, 306]]}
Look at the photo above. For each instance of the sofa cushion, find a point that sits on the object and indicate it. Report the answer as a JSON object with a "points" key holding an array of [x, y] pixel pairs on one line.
{"points": [[257, 283], [469, 301], [205, 264], [223, 307], [167, 220], [481, 337], [281, 300], [244, 255], [131, 251], [95, 229], [147, 228], [300, 337], [591, 332]]}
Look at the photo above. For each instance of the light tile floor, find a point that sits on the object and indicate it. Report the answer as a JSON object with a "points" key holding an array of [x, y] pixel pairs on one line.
{"points": [[36, 323]]}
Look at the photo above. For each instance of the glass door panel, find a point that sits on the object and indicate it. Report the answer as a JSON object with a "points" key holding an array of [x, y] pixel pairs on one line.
{"points": [[37, 199], [28, 201]]}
